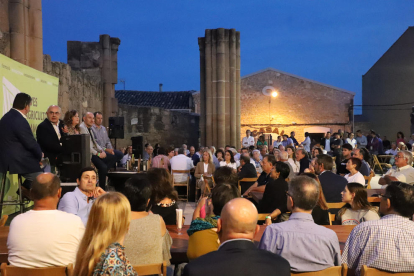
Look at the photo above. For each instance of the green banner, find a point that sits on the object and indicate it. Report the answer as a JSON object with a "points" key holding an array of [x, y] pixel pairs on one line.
{"points": [[43, 88]]}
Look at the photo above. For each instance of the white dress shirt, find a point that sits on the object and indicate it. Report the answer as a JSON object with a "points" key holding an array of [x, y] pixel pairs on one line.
{"points": [[306, 144], [404, 174], [181, 163], [327, 144], [230, 165], [248, 141]]}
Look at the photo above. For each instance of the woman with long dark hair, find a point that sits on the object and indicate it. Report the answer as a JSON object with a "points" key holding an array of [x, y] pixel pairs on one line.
{"points": [[71, 120], [229, 160], [357, 209]]}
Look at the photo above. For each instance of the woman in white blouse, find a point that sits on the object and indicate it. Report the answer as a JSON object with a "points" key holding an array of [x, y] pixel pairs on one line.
{"points": [[292, 159], [353, 165], [229, 160]]}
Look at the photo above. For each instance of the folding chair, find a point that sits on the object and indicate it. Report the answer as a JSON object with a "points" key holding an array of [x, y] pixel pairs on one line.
{"points": [[331, 271], [253, 179], [8, 270], [369, 271], [181, 184]]}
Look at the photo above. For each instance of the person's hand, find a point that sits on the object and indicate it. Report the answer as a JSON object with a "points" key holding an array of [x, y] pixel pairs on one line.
{"points": [[110, 151], [97, 192], [102, 155], [268, 222], [65, 129]]}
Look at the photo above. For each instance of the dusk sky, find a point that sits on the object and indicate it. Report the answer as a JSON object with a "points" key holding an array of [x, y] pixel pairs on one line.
{"points": [[333, 42]]}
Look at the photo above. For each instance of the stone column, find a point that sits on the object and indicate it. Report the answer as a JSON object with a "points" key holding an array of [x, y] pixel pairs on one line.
{"points": [[238, 84], [201, 45], [35, 35], [227, 99], [214, 84], [106, 77], [209, 94], [232, 82], [221, 89], [17, 31], [4, 28]]}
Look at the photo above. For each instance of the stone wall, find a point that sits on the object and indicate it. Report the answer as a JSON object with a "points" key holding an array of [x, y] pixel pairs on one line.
{"points": [[4, 28], [77, 89], [158, 125]]}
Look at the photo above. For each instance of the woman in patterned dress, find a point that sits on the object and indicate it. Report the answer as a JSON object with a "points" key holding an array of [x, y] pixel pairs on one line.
{"points": [[101, 251], [71, 121]]}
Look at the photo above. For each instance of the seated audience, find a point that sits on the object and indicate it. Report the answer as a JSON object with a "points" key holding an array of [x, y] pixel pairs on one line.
{"points": [[229, 160], [164, 197], [99, 158], [362, 141], [316, 151], [44, 236], [102, 137], [216, 162], [127, 155], [332, 184], [148, 152], [80, 201], [353, 166], [346, 155], [220, 155], [194, 156], [387, 243], [257, 161], [404, 171], [277, 142], [274, 196], [365, 169], [304, 244], [276, 154], [71, 121], [148, 240], [320, 213], [261, 141], [292, 159], [302, 158], [101, 251], [268, 163], [287, 141], [263, 152], [171, 152], [246, 170], [237, 254], [351, 140], [393, 150], [205, 168], [203, 232], [284, 158], [402, 146], [161, 160], [357, 208], [181, 162]]}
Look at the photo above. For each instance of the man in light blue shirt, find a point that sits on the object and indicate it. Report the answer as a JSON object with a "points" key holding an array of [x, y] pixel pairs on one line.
{"points": [[306, 245], [361, 140], [79, 202]]}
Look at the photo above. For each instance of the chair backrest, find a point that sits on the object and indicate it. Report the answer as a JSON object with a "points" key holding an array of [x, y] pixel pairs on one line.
{"points": [[368, 179], [332, 271], [262, 216], [7, 270], [252, 179], [369, 271], [151, 269], [187, 172], [3, 220], [335, 205], [332, 218]]}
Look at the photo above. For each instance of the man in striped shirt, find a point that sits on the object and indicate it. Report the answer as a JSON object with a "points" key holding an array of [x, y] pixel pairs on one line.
{"points": [[385, 244]]}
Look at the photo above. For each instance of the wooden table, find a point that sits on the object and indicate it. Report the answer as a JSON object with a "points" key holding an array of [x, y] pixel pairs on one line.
{"points": [[117, 179], [385, 158], [180, 242]]}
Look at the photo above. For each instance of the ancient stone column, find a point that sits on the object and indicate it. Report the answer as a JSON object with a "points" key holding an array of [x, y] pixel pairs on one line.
{"points": [[209, 94], [221, 88], [201, 45], [214, 83], [17, 31], [238, 86], [35, 35], [106, 77], [227, 83], [4, 28], [232, 82]]}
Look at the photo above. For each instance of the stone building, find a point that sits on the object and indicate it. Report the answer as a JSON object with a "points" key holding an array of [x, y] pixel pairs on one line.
{"points": [[159, 117], [387, 90], [302, 105]]}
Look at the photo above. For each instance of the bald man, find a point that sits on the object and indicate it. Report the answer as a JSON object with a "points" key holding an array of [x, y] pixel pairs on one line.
{"points": [[102, 161], [44, 236], [237, 254]]}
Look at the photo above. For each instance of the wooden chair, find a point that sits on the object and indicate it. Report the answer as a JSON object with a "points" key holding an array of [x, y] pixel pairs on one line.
{"points": [[369, 271], [336, 205], [207, 189], [262, 216], [368, 178], [376, 162], [8, 270], [332, 271], [181, 184], [3, 220], [332, 218], [253, 179], [152, 269]]}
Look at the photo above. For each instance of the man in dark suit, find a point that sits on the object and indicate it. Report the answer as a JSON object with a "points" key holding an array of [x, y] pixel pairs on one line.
{"points": [[302, 157], [19, 151], [48, 135], [246, 170], [332, 184], [237, 254], [326, 142]]}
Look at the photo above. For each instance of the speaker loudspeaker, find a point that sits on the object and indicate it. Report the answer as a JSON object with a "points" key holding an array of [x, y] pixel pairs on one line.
{"points": [[74, 157], [116, 127]]}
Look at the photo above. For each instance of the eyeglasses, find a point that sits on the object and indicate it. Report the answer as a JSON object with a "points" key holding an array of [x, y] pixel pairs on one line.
{"points": [[398, 156]]}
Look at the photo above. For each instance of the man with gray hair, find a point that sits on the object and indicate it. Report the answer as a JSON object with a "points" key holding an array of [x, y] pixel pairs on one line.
{"points": [[48, 135], [404, 171], [181, 163], [284, 157], [215, 160], [301, 232]]}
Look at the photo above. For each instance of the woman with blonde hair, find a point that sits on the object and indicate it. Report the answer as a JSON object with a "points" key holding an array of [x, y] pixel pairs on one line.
{"points": [[101, 251], [204, 168]]}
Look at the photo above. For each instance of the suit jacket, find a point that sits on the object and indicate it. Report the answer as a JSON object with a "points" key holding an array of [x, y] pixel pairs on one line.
{"points": [[200, 169], [323, 142], [48, 140], [332, 186], [19, 151], [94, 147], [238, 257]]}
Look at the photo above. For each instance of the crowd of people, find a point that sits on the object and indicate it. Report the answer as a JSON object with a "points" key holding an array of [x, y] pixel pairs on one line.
{"points": [[108, 233]]}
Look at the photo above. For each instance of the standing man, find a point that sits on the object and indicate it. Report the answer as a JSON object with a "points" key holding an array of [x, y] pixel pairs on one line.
{"points": [[326, 142], [19, 151], [336, 147], [48, 135], [306, 143], [248, 140], [361, 140], [99, 158], [287, 141], [346, 155], [102, 137], [292, 137]]}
